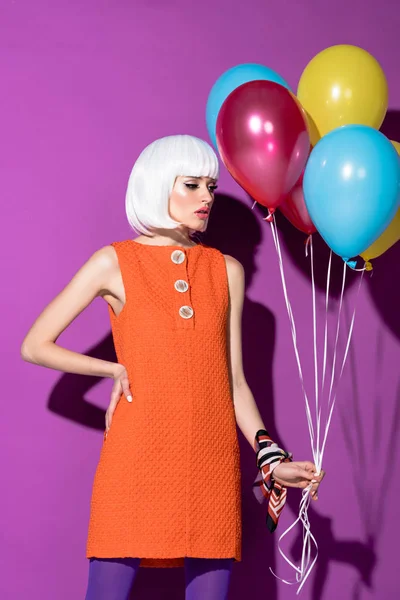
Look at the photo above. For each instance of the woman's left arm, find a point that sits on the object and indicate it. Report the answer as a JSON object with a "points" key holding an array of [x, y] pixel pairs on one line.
{"points": [[248, 418]]}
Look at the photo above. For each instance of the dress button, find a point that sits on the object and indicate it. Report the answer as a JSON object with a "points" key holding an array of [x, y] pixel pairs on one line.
{"points": [[178, 257], [186, 312], [181, 285]]}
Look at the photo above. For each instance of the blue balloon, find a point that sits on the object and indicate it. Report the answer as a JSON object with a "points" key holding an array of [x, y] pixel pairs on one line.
{"points": [[351, 187], [228, 82]]}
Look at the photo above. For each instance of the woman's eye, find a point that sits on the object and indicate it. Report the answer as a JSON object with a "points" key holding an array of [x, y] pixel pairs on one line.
{"points": [[194, 186]]}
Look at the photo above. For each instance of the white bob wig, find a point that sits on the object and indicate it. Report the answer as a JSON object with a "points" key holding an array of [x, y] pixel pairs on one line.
{"points": [[153, 177]]}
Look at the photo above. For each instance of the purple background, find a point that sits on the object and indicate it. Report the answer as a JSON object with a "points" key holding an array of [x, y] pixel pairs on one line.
{"points": [[85, 86]]}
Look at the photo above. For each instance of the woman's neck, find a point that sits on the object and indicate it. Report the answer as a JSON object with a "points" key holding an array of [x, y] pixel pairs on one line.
{"points": [[170, 238]]}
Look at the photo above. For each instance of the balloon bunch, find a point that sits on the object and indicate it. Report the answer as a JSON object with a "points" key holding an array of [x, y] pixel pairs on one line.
{"points": [[321, 160], [319, 156]]}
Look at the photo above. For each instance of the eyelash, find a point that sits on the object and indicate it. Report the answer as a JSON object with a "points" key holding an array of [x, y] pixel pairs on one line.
{"points": [[193, 186]]}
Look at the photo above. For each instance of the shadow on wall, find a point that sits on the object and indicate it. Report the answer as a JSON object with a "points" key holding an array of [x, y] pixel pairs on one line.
{"points": [[236, 230], [384, 286]]}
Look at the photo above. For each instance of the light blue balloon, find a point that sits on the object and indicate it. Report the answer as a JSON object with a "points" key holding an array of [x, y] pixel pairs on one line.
{"points": [[229, 81], [351, 187]]}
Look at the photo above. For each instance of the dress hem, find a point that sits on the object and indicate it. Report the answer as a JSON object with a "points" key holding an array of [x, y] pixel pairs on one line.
{"points": [[163, 561]]}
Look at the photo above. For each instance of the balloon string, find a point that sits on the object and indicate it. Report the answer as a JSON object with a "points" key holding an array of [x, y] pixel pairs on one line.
{"points": [[352, 264], [328, 422], [306, 566], [317, 410], [328, 279], [309, 244], [291, 321], [303, 571], [337, 334]]}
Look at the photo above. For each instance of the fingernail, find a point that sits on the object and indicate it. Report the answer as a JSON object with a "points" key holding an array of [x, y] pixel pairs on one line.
{"points": [[129, 398]]}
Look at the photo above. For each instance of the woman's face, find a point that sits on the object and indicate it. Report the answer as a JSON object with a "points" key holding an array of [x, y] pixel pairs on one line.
{"points": [[191, 201]]}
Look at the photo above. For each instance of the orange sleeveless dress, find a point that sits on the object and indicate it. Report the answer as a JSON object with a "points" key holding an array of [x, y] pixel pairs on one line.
{"points": [[168, 482]]}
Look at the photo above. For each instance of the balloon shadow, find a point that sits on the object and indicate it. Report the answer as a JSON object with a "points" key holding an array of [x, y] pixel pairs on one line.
{"points": [[361, 556], [391, 125], [368, 486], [384, 292], [385, 295]]}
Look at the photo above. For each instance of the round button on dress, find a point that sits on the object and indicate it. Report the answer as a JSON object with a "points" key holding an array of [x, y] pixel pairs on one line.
{"points": [[178, 257], [186, 312], [181, 285]]}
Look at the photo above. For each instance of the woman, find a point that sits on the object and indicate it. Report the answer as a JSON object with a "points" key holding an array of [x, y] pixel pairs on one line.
{"points": [[167, 486]]}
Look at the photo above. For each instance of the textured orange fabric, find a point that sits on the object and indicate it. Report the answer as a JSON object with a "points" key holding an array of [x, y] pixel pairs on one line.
{"points": [[167, 484]]}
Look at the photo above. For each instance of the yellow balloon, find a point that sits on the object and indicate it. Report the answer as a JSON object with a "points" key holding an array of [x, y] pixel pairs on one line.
{"points": [[343, 85], [390, 236], [312, 129], [311, 126], [396, 145]]}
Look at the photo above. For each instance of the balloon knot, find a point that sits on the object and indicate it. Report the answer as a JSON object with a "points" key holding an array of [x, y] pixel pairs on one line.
{"points": [[270, 216], [351, 263], [368, 266]]}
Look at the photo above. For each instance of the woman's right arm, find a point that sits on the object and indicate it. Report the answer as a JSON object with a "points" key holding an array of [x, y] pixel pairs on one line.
{"points": [[94, 278]]}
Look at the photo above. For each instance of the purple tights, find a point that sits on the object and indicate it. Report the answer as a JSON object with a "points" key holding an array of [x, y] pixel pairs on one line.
{"points": [[112, 578]]}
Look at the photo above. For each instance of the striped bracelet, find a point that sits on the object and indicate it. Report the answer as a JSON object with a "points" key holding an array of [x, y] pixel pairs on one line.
{"points": [[265, 488]]}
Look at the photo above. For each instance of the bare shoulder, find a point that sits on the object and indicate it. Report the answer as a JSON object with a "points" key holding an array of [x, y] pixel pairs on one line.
{"points": [[105, 257], [236, 277], [234, 267], [100, 271], [105, 262]]}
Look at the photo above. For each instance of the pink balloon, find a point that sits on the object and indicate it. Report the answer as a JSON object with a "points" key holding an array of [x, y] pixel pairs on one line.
{"points": [[263, 140], [295, 210]]}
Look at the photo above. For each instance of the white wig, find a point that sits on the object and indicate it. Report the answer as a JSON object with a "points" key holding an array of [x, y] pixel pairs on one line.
{"points": [[153, 177]]}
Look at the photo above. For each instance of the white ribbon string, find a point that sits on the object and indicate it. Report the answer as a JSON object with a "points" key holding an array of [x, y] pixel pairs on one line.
{"points": [[292, 326], [328, 279], [328, 422], [305, 568], [306, 565], [317, 411], [337, 334]]}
